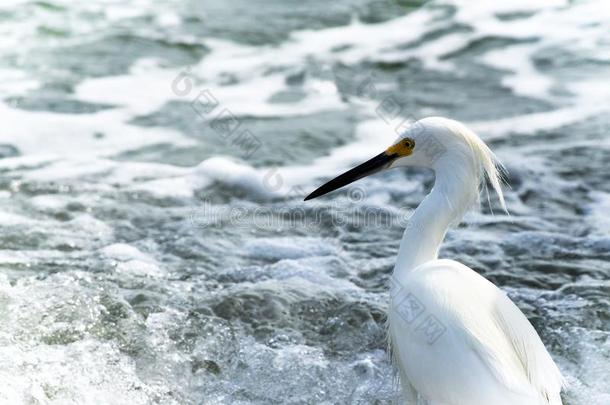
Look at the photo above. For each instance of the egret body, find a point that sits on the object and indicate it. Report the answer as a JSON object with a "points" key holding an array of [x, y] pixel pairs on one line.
{"points": [[456, 339]]}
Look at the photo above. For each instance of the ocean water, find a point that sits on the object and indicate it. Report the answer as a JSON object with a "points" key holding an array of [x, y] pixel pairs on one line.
{"points": [[154, 246]]}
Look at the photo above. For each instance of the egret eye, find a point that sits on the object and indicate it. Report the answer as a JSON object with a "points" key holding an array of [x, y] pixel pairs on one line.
{"points": [[403, 148]]}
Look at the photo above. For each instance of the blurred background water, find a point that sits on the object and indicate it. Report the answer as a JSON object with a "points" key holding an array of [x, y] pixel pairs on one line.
{"points": [[154, 248]]}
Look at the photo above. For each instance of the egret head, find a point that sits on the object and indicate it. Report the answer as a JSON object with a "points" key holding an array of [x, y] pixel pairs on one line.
{"points": [[456, 154]]}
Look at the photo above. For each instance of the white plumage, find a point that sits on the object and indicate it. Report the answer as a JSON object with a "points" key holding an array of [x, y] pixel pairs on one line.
{"points": [[484, 350], [456, 339], [487, 352]]}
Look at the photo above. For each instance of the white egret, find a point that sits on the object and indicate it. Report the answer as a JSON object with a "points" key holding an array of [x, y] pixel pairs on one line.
{"points": [[455, 338]]}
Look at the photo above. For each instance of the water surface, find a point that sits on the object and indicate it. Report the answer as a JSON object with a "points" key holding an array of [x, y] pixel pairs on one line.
{"points": [[154, 247]]}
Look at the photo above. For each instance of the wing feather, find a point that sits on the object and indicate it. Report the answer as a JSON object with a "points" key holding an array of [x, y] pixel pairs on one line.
{"points": [[511, 347]]}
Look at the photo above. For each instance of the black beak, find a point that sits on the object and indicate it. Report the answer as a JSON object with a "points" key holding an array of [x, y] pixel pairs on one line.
{"points": [[367, 168]]}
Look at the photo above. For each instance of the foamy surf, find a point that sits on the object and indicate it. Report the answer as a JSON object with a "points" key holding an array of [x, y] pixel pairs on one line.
{"points": [[147, 256]]}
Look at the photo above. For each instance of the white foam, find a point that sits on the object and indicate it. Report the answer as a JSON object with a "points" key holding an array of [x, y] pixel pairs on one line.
{"points": [[132, 261], [13, 257], [50, 351], [83, 372], [313, 273], [16, 82], [139, 268], [290, 248], [575, 26], [177, 187], [138, 92], [24, 162], [10, 219], [525, 79], [92, 225], [597, 211], [141, 92], [103, 133], [531, 124], [227, 171], [125, 252], [48, 202]]}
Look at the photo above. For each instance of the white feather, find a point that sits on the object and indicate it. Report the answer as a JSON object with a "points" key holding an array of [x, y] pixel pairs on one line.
{"points": [[488, 352]]}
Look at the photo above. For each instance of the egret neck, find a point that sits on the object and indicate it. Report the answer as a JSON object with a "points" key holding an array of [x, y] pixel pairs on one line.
{"points": [[451, 195]]}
